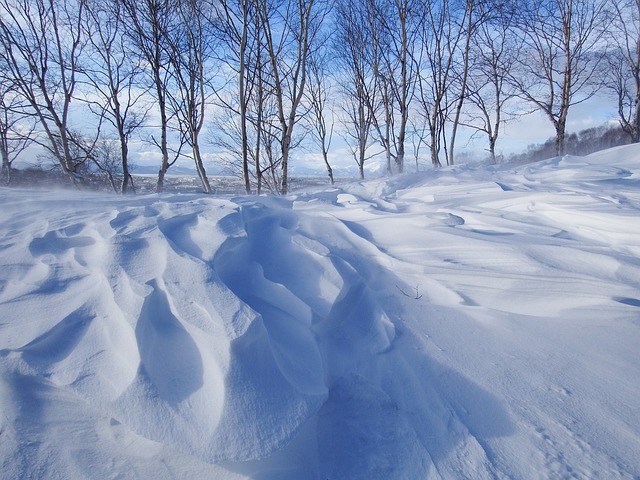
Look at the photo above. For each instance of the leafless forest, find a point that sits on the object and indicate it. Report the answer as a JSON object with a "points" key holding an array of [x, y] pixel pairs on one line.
{"points": [[268, 78]]}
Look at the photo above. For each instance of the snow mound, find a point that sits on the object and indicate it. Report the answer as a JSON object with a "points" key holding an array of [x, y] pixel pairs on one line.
{"points": [[467, 322]]}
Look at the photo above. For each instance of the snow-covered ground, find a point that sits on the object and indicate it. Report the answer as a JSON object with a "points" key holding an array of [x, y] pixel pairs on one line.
{"points": [[465, 323]]}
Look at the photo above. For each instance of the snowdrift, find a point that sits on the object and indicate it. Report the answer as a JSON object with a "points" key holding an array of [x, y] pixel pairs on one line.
{"points": [[470, 322]]}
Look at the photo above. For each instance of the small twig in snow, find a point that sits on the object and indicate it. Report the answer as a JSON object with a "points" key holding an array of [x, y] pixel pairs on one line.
{"points": [[417, 295]]}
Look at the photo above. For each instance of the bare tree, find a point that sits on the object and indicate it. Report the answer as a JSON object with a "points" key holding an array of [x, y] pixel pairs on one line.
{"points": [[418, 125], [104, 161], [264, 113], [192, 49], [235, 21], [443, 31], [317, 97], [290, 33], [254, 122], [357, 78], [377, 14], [494, 53], [394, 27], [407, 20], [623, 64], [562, 50], [112, 70], [471, 21], [16, 126], [43, 42], [106, 158], [149, 25]]}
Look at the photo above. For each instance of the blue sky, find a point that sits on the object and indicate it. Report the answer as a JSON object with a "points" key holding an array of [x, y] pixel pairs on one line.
{"points": [[515, 137]]}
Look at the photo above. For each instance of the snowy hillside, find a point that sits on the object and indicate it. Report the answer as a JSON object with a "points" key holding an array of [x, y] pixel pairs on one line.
{"points": [[469, 322]]}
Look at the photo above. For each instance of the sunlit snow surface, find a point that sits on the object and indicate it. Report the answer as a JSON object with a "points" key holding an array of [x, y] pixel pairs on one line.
{"points": [[464, 323]]}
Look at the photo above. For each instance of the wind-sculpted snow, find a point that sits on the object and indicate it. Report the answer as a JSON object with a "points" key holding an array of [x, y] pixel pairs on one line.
{"points": [[472, 322]]}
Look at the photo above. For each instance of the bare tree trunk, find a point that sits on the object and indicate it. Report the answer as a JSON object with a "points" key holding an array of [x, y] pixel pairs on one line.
{"points": [[560, 140], [435, 144], [206, 186], [567, 81], [363, 138], [6, 166], [164, 149], [492, 151], [243, 96], [635, 135], [127, 181], [635, 65], [388, 121], [260, 126]]}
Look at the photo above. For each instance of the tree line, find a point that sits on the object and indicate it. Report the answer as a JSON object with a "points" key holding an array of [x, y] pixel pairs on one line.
{"points": [[267, 78]]}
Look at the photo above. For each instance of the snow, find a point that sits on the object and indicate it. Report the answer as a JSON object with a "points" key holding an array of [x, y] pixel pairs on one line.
{"points": [[466, 322]]}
